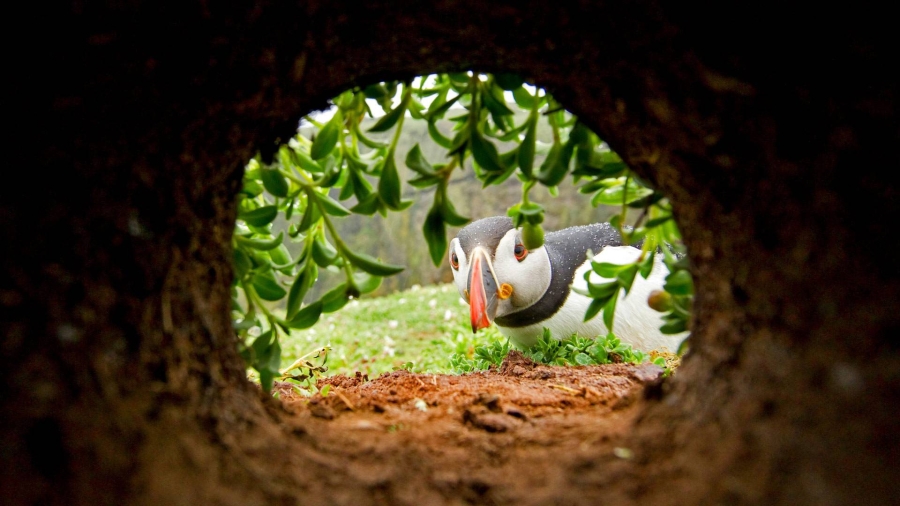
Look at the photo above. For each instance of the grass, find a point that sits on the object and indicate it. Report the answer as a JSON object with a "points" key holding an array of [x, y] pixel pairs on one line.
{"points": [[426, 329], [418, 329]]}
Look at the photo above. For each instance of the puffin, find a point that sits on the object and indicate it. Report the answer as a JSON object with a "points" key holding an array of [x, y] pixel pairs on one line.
{"points": [[523, 291]]}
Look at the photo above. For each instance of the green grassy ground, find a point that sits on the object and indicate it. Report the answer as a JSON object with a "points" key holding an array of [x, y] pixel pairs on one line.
{"points": [[417, 329]]}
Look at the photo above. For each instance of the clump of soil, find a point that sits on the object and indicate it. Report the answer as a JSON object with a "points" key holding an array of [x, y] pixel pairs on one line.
{"points": [[525, 432]]}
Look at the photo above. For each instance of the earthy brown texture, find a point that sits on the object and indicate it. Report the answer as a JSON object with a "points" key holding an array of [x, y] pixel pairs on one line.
{"points": [[773, 133], [519, 435]]}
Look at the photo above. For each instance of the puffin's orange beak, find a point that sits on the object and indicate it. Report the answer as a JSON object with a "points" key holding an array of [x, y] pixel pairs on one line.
{"points": [[482, 288]]}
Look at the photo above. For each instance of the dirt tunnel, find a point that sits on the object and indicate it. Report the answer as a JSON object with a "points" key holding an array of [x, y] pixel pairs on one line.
{"points": [[774, 138]]}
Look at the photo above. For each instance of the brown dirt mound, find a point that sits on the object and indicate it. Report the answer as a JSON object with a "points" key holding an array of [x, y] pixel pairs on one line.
{"points": [[512, 434]]}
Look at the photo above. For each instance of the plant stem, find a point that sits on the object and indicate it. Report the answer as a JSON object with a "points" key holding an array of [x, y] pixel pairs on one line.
{"points": [[338, 243]]}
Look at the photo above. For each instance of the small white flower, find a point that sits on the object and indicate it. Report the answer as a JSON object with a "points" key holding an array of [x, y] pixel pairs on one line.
{"points": [[392, 324], [389, 341], [432, 303], [448, 315], [415, 287], [388, 350], [401, 301]]}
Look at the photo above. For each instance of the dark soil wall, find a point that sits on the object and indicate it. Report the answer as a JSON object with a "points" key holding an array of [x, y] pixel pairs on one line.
{"points": [[773, 133]]}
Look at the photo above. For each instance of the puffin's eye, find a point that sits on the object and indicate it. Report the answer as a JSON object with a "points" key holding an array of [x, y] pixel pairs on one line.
{"points": [[520, 252], [454, 261]]}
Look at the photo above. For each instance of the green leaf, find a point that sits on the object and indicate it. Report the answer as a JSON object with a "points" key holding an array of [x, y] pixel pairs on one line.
{"points": [[389, 184], [594, 308], [390, 119], [508, 160], [556, 165], [459, 143], [332, 206], [327, 138], [260, 217], [348, 188], [439, 111], [580, 134], [290, 209], [524, 99], [485, 153], [274, 182], [435, 233], [617, 194], [658, 221], [370, 143], [367, 206], [609, 311], [496, 105], [583, 359], [674, 327], [332, 175], [262, 345], [626, 276], [323, 252], [417, 162], [301, 285], [261, 244], [532, 209], [508, 81], [438, 137], [260, 260], [603, 291], [366, 282], [361, 186], [306, 163], [611, 170], [375, 91], [527, 148], [648, 201], [449, 214], [310, 217], [242, 263], [370, 264], [683, 347], [251, 188], [266, 380], [679, 283], [606, 270], [274, 362], [335, 298], [424, 181], [267, 287], [306, 317], [646, 266], [460, 78]]}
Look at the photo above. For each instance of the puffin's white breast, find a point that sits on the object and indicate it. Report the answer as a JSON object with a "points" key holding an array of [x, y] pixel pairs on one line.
{"points": [[635, 322]]}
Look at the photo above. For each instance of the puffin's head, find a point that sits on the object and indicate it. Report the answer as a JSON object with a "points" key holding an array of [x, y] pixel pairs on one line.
{"points": [[494, 272]]}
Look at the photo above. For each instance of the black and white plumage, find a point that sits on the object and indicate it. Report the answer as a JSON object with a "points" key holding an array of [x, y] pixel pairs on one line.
{"points": [[525, 291]]}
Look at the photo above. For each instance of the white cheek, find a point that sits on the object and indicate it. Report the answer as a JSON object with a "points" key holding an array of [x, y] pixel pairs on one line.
{"points": [[533, 280], [529, 278]]}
